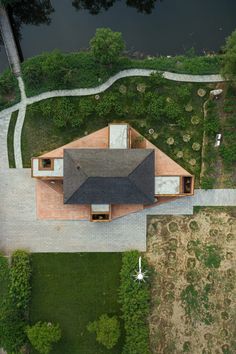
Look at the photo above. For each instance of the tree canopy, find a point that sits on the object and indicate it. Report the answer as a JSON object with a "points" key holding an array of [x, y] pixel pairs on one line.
{"points": [[107, 45], [229, 57], [42, 335]]}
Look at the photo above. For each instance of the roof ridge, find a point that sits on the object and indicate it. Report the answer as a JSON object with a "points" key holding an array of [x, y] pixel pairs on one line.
{"points": [[76, 171], [151, 152]]}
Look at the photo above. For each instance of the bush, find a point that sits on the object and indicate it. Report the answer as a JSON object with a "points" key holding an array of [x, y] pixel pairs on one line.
{"points": [[42, 335], [14, 309], [107, 330], [207, 182], [134, 298], [20, 273]]}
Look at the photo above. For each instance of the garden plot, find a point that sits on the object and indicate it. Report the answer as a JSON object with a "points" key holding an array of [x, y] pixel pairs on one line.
{"points": [[193, 287]]}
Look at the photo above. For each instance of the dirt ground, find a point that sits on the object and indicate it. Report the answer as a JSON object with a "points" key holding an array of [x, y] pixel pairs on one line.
{"points": [[193, 285]]}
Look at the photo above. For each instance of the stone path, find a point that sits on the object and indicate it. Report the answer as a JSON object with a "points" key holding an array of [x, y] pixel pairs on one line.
{"points": [[214, 197], [4, 124], [19, 227]]}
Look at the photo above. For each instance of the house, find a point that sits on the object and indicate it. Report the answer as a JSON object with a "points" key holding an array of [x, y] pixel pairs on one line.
{"points": [[105, 175]]}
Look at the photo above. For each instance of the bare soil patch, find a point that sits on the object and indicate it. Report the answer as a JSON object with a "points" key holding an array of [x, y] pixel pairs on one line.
{"points": [[193, 286]]}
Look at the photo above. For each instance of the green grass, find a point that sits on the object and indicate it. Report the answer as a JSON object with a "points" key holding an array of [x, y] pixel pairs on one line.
{"points": [[10, 140], [72, 290], [40, 135]]}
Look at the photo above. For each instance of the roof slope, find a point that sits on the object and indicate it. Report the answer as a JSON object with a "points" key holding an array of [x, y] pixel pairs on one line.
{"points": [[108, 176]]}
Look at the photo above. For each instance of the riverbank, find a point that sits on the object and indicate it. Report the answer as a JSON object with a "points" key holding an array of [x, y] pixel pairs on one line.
{"points": [[57, 70]]}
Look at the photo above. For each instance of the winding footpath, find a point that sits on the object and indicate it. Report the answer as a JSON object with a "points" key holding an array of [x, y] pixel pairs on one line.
{"points": [[22, 105]]}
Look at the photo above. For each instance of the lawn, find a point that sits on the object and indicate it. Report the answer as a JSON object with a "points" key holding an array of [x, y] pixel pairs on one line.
{"points": [[194, 282], [40, 136], [172, 110], [73, 289]]}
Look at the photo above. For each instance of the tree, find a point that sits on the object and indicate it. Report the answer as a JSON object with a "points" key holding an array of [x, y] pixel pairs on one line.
{"points": [[42, 335], [94, 6], [229, 58], [107, 45], [107, 330]]}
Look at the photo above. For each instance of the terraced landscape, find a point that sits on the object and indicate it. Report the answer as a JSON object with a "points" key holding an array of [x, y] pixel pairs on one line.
{"points": [[193, 287]]}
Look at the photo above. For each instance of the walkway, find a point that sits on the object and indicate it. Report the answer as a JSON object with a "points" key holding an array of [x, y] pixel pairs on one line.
{"points": [[19, 227], [4, 123], [9, 42]]}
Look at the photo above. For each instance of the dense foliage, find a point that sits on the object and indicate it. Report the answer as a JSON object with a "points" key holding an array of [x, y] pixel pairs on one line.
{"points": [[107, 330], [14, 308], [107, 46], [229, 57], [134, 298], [42, 335], [20, 274], [55, 70], [9, 91]]}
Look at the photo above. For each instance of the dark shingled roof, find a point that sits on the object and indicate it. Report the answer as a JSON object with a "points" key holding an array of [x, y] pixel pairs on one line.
{"points": [[108, 176]]}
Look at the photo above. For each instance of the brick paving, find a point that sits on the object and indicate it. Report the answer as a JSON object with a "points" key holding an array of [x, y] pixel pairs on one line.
{"points": [[20, 228]]}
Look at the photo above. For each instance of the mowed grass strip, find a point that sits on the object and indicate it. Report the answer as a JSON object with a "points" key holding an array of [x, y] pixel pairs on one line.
{"points": [[10, 139], [72, 290]]}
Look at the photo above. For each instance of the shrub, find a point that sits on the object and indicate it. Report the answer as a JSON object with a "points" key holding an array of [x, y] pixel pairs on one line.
{"points": [[134, 299], [107, 330], [20, 273], [207, 182], [42, 335]]}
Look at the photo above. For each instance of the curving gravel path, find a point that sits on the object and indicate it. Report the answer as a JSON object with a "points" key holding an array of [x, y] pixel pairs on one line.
{"points": [[86, 92]]}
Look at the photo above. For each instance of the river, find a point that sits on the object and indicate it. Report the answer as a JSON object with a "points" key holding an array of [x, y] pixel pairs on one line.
{"points": [[171, 27]]}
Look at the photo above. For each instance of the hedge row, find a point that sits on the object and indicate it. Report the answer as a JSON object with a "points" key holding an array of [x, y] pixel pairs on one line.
{"points": [[134, 298], [15, 307]]}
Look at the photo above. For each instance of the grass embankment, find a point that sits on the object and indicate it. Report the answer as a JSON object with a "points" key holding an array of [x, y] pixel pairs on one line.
{"points": [[220, 161], [55, 70], [173, 111], [10, 139], [72, 290], [194, 282]]}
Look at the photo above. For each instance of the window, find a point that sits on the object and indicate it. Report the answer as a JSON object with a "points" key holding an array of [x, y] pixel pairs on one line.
{"points": [[46, 164]]}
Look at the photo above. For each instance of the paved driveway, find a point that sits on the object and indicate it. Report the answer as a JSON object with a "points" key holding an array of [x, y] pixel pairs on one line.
{"points": [[19, 227]]}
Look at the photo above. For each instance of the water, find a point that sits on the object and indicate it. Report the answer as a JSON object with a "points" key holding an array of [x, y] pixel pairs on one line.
{"points": [[172, 27]]}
